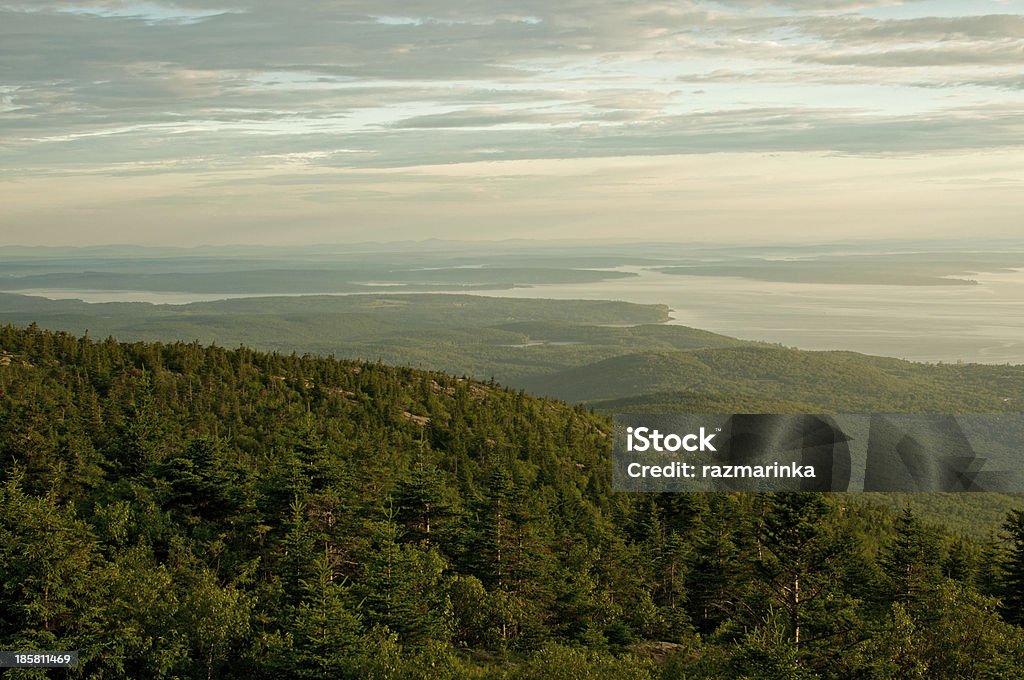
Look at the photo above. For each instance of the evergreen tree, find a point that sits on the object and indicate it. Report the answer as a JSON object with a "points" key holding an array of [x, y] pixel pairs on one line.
{"points": [[422, 502], [720, 567], [1011, 587], [47, 558], [805, 558], [911, 561], [326, 629], [404, 586], [961, 562], [298, 552]]}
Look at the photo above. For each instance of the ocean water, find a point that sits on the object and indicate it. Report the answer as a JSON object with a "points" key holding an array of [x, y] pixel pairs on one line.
{"points": [[982, 323]]}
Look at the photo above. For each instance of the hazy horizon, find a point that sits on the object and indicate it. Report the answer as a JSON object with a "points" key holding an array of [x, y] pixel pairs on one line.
{"points": [[922, 300], [892, 244]]}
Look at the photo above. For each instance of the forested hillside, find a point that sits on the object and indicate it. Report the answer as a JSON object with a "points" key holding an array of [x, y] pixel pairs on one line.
{"points": [[833, 381], [174, 510], [590, 351]]}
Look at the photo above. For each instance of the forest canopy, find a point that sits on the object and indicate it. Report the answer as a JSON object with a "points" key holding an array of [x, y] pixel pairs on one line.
{"points": [[175, 510]]}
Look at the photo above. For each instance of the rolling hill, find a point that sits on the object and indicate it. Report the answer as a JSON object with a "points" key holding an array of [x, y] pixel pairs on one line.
{"points": [[175, 510]]}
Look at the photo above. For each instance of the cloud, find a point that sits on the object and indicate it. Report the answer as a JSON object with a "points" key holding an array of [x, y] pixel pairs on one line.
{"points": [[235, 90], [859, 29], [140, 10], [917, 58], [808, 5]]}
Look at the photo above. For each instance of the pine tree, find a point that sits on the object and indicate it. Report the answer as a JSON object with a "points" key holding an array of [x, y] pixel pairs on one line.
{"points": [[719, 567], [422, 502], [404, 586], [992, 555], [298, 552], [911, 561], [48, 559], [1011, 587], [802, 564], [326, 628], [960, 563]]}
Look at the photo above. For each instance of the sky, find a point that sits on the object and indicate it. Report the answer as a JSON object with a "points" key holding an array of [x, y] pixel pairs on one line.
{"points": [[329, 121]]}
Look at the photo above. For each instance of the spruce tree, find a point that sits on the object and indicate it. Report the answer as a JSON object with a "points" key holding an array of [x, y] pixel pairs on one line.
{"points": [[911, 561], [326, 628], [1011, 587]]}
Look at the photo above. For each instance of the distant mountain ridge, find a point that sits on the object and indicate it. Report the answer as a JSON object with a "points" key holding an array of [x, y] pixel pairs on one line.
{"points": [[576, 350]]}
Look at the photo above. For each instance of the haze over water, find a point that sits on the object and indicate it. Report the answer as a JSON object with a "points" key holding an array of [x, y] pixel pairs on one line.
{"points": [[982, 323]]}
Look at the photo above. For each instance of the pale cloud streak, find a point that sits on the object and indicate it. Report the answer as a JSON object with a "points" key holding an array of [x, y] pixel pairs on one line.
{"points": [[190, 104]]}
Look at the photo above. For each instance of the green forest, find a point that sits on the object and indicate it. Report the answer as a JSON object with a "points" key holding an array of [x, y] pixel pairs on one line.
{"points": [[616, 356], [177, 510]]}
